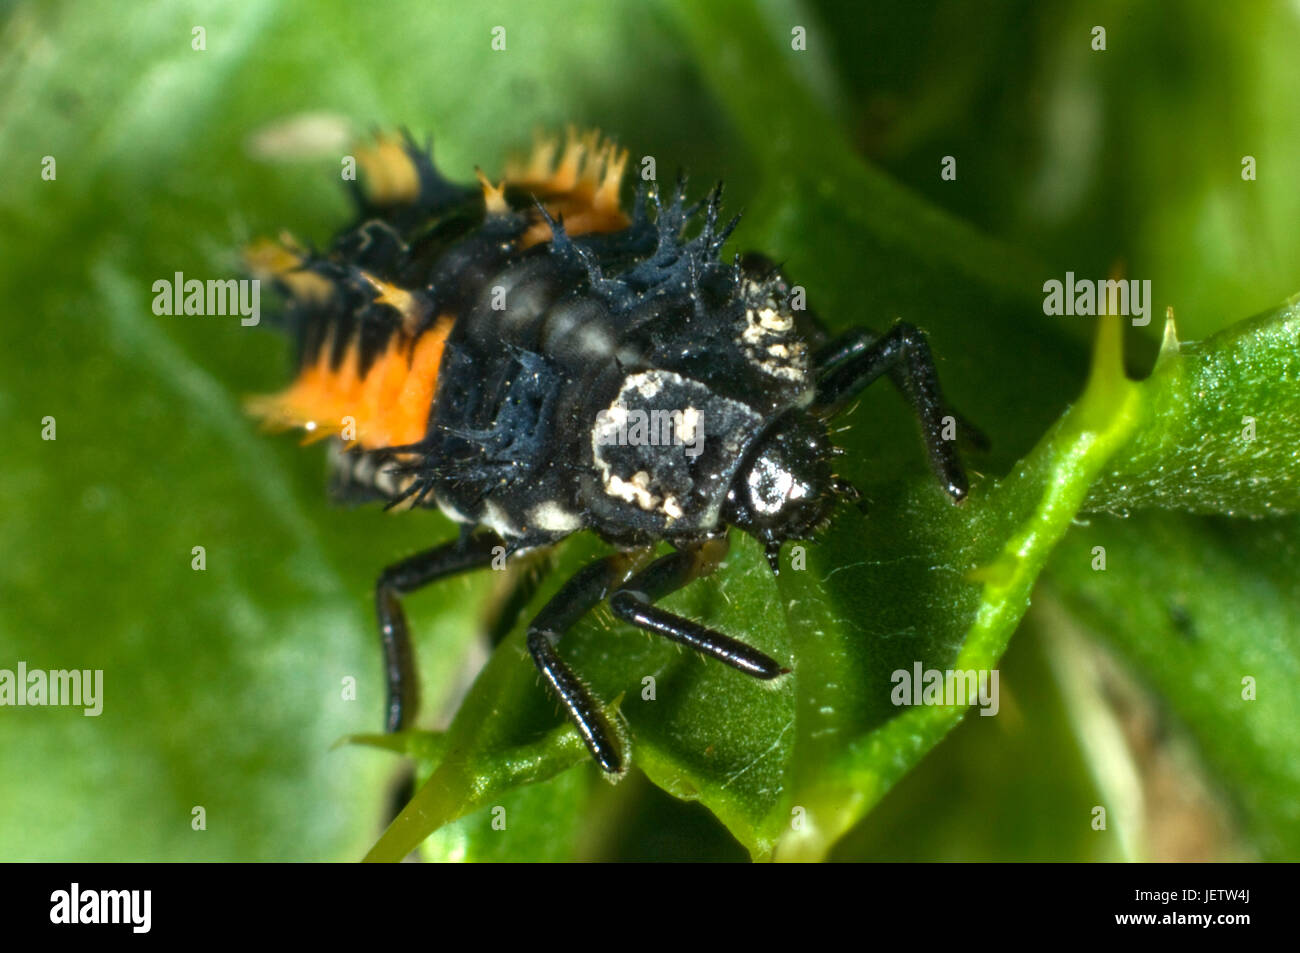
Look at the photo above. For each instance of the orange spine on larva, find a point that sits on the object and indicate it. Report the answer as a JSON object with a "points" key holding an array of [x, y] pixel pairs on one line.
{"points": [[582, 187], [388, 407]]}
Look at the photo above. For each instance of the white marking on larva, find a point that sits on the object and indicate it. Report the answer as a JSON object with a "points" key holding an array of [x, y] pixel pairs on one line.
{"points": [[553, 518], [610, 424], [637, 490], [495, 519], [615, 416], [784, 483], [559, 325], [788, 371], [386, 480], [450, 511], [769, 343], [761, 323], [774, 320], [785, 360], [648, 383], [596, 340], [690, 421]]}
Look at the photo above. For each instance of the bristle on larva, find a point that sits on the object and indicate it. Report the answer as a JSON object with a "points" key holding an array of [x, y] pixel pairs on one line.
{"points": [[582, 187], [494, 197], [391, 175], [281, 260], [414, 307]]}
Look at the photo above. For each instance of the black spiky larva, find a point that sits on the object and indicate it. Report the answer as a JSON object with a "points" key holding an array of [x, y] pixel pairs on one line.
{"points": [[534, 361]]}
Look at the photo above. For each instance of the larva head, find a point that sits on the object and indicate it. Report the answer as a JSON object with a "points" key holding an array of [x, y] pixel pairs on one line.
{"points": [[784, 489]]}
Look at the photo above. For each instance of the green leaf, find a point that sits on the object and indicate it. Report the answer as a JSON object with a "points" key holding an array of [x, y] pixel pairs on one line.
{"points": [[1005, 812], [425, 747], [481, 758], [1002, 541], [1220, 431], [1198, 606]]}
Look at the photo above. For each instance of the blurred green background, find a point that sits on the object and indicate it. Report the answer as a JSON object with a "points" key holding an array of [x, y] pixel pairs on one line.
{"points": [[223, 687]]}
